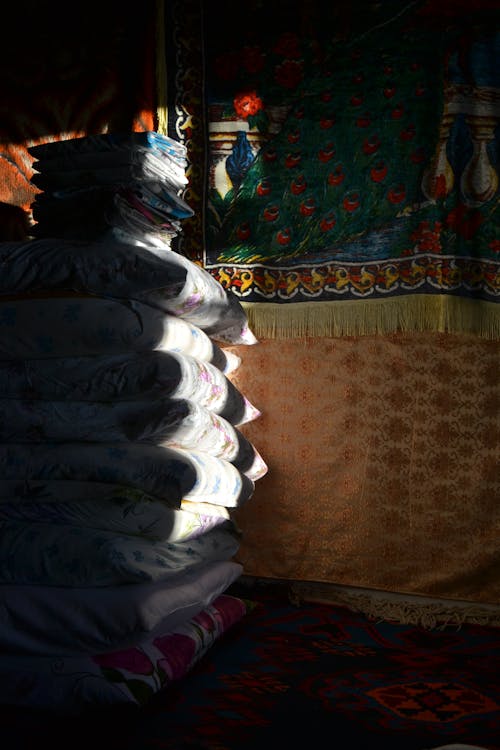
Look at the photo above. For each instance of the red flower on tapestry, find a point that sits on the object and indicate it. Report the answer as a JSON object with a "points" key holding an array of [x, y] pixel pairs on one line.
{"points": [[371, 144], [396, 194], [427, 237], [327, 122], [298, 185], [243, 231], [351, 202], [328, 222], [292, 160], [288, 46], [308, 207], [464, 221], [364, 121], [270, 155], [495, 246], [284, 236], [418, 156], [326, 153], [408, 133], [247, 104], [336, 176], [289, 74], [271, 213], [378, 172], [263, 187], [253, 59]]}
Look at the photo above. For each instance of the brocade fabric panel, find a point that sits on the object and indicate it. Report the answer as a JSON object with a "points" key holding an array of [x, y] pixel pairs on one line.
{"points": [[383, 457]]}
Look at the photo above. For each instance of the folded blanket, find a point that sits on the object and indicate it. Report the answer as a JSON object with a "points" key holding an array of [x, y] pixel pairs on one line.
{"points": [[152, 275], [133, 675], [110, 268], [125, 512], [44, 553], [54, 620], [121, 158], [130, 376], [112, 142], [160, 181], [170, 474], [71, 326], [74, 492], [175, 423]]}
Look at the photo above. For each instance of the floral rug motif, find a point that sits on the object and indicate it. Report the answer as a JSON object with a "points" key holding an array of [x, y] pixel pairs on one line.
{"points": [[298, 673]]}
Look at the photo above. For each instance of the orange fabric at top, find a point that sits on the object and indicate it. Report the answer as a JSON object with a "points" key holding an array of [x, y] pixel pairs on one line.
{"points": [[65, 76]]}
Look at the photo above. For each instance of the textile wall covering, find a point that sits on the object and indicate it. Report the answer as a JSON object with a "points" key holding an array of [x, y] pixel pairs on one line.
{"points": [[345, 180], [383, 463], [377, 368]]}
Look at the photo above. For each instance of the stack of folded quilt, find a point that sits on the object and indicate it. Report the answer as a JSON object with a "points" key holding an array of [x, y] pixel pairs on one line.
{"points": [[121, 461], [132, 181]]}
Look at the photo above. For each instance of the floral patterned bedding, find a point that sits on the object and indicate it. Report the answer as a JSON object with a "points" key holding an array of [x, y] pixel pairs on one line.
{"points": [[71, 684]]}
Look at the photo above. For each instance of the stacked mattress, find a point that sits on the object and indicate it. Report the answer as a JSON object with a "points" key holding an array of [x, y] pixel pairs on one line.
{"points": [[122, 457]]}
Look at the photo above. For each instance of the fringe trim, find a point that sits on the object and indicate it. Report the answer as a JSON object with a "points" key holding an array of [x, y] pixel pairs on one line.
{"points": [[412, 313], [405, 609], [161, 70]]}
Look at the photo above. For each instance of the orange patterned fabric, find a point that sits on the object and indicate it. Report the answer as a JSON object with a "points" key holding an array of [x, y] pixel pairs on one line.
{"points": [[383, 455], [65, 75]]}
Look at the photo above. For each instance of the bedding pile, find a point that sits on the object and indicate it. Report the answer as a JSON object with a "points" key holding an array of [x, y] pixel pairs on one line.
{"points": [[129, 181], [122, 448]]}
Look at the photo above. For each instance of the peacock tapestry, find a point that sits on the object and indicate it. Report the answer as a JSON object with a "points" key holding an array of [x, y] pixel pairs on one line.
{"points": [[344, 156]]}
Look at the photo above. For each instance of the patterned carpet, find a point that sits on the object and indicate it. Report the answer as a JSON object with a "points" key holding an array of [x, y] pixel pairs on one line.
{"points": [[297, 674]]}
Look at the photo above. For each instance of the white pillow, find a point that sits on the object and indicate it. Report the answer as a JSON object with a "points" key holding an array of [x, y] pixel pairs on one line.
{"points": [[110, 268], [69, 620], [61, 555], [205, 302], [169, 474], [175, 423], [121, 514], [72, 326], [128, 376], [67, 491], [153, 275]]}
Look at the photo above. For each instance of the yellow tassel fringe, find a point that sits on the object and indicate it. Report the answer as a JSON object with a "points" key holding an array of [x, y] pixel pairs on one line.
{"points": [[419, 312], [431, 614]]}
